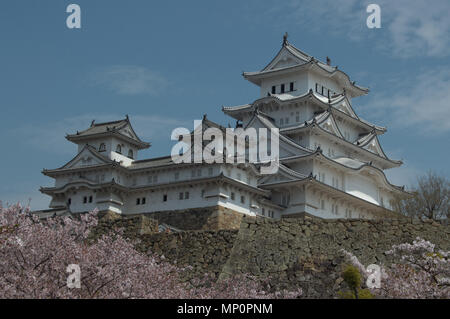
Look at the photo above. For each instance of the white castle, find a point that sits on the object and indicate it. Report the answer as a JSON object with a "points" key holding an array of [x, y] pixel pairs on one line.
{"points": [[331, 162]]}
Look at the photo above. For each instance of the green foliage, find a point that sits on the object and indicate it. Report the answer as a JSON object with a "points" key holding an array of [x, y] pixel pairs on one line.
{"points": [[352, 277], [362, 294]]}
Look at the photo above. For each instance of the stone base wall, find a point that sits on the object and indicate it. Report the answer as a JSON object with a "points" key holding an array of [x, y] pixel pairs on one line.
{"points": [[294, 252], [209, 218], [133, 226], [305, 252], [205, 251]]}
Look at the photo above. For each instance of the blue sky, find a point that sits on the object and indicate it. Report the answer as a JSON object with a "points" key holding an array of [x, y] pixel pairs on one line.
{"points": [[166, 63]]}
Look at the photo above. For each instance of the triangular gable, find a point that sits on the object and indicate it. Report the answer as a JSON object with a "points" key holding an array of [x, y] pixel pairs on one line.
{"points": [[128, 131], [280, 177], [284, 58], [345, 107], [330, 125], [87, 157], [287, 147], [375, 147]]}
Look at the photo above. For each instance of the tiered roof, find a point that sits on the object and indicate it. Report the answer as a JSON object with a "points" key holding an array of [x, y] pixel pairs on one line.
{"points": [[121, 129], [290, 59], [339, 105]]}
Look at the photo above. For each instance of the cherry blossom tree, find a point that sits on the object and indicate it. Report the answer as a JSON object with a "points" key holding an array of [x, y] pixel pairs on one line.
{"points": [[418, 271], [35, 254]]}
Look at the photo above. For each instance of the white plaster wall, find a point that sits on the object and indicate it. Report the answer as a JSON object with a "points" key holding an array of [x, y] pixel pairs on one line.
{"points": [[329, 83], [300, 84]]}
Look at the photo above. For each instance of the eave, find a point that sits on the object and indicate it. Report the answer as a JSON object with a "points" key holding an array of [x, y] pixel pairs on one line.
{"points": [[318, 155], [80, 138], [388, 162], [313, 65], [217, 178], [236, 112], [340, 195]]}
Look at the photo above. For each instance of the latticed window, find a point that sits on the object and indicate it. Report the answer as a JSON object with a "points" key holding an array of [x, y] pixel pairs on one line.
{"points": [[119, 149], [102, 147], [130, 154]]}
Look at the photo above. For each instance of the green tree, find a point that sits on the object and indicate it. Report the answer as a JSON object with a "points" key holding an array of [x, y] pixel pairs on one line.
{"points": [[352, 278]]}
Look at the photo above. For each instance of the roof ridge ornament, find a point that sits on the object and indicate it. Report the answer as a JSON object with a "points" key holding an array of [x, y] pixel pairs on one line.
{"points": [[285, 41], [92, 123], [328, 61]]}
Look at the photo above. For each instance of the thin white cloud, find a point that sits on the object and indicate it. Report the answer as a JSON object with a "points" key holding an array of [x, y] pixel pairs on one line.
{"points": [[51, 138], [419, 27], [420, 102], [409, 27], [129, 80]]}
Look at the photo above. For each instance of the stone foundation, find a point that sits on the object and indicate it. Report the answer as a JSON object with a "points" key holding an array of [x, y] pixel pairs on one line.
{"points": [[294, 252], [209, 218]]}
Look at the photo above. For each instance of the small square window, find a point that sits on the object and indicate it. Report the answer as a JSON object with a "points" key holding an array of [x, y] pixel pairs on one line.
{"points": [[274, 89], [291, 86], [69, 201], [232, 196], [186, 195], [165, 198], [84, 200], [282, 88], [180, 196], [138, 201], [143, 201], [243, 199], [90, 199]]}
